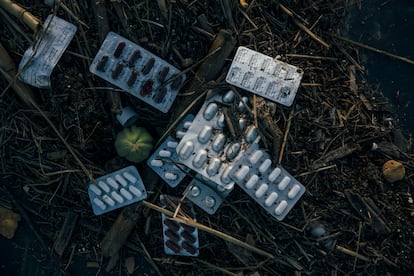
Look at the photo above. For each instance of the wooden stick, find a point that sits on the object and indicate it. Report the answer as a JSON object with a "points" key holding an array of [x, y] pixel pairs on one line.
{"points": [[22, 14]]}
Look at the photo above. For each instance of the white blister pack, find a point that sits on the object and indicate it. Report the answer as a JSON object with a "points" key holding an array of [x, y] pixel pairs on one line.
{"points": [[208, 147], [115, 190], [164, 161], [272, 187], [264, 76], [206, 194], [137, 71]]}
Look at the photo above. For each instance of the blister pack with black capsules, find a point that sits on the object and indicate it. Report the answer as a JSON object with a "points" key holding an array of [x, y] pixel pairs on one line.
{"points": [[164, 161], [137, 71], [272, 187], [264, 76], [179, 238], [115, 190], [219, 135]]}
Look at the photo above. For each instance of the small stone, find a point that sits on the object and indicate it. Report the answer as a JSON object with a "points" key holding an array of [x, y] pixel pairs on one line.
{"points": [[393, 171], [8, 222]]}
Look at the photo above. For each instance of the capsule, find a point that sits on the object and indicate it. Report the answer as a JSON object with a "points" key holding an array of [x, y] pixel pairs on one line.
{"points": [[148, 66], [225, 177], [241, 173], [187, 247], [255, 156], [147, 87], [251, 134], [164, 153], [252, 181], [281, 207], [228, 97], [157, 163], [186, 150], [121, 180], [210, 111], [271, 198], [170, 176], [188, 228], [134, 58], [172, 246], [233, 151], [241, 106], [284, 183], [187, 236], [274, 174], [102, 63], [163, 73], [220, 188], [135, 191], [187, 124], [112, 182], [172, 235], [108, 200], [242, 123], [126, 194], [294, 191], [117, 197], [95, 189], [99, 203], [261, 190], [104, 186], [172, 144], [160, 95], [205, 134], [130, 177], [200, 159], [265, 165], [119, 49], [176, 82], [195, 191], [174, 226], [118, 70], [213, 167], [218, 142], [132, 78], [221, 121], [179, 134], [209, 201]]}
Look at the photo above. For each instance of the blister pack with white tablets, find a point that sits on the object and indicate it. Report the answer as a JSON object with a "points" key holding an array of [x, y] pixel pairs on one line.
{"points": [[164, 161], [208, 147], [115, 190], [179, 238], [264, 76], [206, 194], [137, 71], [272, 187]]}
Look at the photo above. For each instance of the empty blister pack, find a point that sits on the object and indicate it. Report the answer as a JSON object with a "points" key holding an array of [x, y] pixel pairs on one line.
{"points": [[164, 161], [179, 238], [209, 147], [264, 76], [115, 190], [137, 71], [271, 186], [206, 194]]}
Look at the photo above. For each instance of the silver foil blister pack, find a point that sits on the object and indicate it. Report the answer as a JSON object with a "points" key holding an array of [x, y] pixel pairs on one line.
{"points": [[264, 76], [137, 71]]}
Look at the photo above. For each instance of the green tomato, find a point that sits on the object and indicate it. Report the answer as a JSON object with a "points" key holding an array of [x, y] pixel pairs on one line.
{"points": [[134, 143]]}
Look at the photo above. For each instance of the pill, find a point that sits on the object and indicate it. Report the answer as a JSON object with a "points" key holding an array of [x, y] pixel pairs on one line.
{"points": [[228, 97], [121, 180], [172, 235], [188, 236], [135, 191], [172, 144], [186, 150], [241, 106], [174, 226], [218, 142], [118, 70], [281, 207], [233, 151], [242, 123], [209, 201], [255, 156], [241, 173], [195, 191], [205, 134], [210, 111], [119, 49], [200, 158], [163, 73], [252, 181], [225, 177], [160, 95], [170, 176], [221, 121], [112, 182], [130, 177], [189, 248], [117, 197], [172, 246], [214, 167], [104, 186], [108, 200], [261, 190], [146, 87], [164, 153], [179, 134], [148, 66], [125, 194], [157, 163], [95, 189], [294, 191], [99, 203], [284, 183], [188, 228], [251, 134], [102, 63], [132, 78], [274, 174], [265, 165], [134, 57], [271, 198], [187, 124]]}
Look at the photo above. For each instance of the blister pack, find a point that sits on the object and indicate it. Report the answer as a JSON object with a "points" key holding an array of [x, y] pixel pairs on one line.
{"points": [[264, 76], [137, 71], [115, 190], [219, 135], [272, 187], [179, 238], [206, 194], [164, 161]]}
